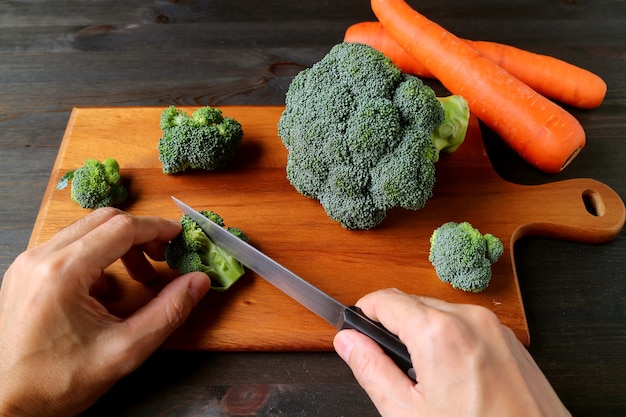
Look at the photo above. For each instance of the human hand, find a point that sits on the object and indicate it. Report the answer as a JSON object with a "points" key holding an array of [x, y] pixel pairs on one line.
{"points": [[60, 349], [467, 363]]}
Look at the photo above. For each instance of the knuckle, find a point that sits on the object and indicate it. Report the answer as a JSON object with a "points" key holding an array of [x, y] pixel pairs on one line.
{"points": [[122, 216], [176, 312], [106, 213], [484, 317], [463, 329], [443, 325], [50, 267], [41, 266], [122, 220]]}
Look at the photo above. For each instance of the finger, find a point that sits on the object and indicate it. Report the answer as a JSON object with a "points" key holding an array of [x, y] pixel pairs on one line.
{"points": [[396, 309], [79, 228], [113, 239], [435, 303], [143, 332], [138, 267], [390, 389], [393, 309], [416, 320], [124, 231], [155, 249]]}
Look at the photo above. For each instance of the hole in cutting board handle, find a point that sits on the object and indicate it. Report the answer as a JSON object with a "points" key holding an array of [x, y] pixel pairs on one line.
{"points": [[593, 203]]}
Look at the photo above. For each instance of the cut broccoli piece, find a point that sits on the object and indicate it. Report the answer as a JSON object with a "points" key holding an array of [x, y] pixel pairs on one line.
{"points": [[205, 140], [363, 137], [192, 250], [95, 184], [462, 256]]}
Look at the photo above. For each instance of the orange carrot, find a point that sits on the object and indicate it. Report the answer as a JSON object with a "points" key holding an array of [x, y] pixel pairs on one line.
{"points": [[546, 75], [375, 35], [541, 132], [549, 76]]}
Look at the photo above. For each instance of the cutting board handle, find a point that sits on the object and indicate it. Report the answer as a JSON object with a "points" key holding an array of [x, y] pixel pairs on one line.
{"points": [[582, 210]]}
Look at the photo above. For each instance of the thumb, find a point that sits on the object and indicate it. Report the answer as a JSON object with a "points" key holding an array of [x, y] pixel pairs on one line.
{"points": [[373, 369], [144, 331]]}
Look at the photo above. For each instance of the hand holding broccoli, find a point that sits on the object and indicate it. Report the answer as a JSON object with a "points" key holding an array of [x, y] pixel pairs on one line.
{"points": [[61, 346]]}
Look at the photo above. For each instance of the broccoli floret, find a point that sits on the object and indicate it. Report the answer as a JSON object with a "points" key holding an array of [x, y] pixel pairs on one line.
{"points": [[238, 232], [192, 250], [95, 184], [363, 137], [462, 256], [205, 140]]}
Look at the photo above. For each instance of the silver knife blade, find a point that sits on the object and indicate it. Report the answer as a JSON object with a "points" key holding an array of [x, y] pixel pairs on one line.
{"points": [[311, 297], [291, 284]]}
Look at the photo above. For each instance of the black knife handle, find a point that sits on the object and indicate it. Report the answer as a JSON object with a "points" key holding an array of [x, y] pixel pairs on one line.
{"points": [[353, 318]]}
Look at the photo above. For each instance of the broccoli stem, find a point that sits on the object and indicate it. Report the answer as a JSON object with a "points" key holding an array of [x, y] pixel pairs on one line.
{"points": [[221, 266], [451, 133]]}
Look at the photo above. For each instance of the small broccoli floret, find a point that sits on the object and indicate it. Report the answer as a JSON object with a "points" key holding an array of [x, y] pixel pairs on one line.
{"points": [[205, 140], [95, 184], [238, 232], [363, 137], [192, 250], [462, 256]]}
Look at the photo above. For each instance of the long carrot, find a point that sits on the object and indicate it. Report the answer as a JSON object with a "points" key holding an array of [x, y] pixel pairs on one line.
{"points": [[540, 131], [375, 35], [548, 76]]}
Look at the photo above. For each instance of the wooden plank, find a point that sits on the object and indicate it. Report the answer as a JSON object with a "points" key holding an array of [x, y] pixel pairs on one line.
{"points": [[254, 195]]}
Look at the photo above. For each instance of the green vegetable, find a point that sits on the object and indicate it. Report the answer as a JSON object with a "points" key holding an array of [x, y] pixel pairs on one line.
{"points": [[462, 256], [364, 137], [205, 140], [192, 250], [96, 184]]}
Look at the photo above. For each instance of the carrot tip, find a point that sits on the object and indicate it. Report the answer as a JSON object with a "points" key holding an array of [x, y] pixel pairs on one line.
{"points": [[571, 157]]}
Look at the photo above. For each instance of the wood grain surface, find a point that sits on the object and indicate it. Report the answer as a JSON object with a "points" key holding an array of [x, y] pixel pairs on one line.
{"points": [[56, 56], [254, 195]]}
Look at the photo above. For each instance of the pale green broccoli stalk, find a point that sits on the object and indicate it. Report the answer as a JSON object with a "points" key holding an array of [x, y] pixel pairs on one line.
{"points": [[205, 140], [450, 134], [192, 251], [462, 256], [95, 184], [363, 137]]}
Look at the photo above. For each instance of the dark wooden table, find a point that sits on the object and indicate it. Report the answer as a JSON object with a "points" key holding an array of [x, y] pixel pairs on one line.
{"points": [[55, 55]]}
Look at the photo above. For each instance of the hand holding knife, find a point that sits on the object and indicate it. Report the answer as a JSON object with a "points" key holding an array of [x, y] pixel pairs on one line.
{"points": [[320, 303]]}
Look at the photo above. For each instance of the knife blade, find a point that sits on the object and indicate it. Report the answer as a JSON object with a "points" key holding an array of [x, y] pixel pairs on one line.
{"points": [[305, 293]]}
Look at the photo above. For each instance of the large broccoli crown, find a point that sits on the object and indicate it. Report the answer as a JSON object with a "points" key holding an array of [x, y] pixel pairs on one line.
{"points": [[192, 250], [462, 256], [95, 184], [205, 140], [358, 134]]}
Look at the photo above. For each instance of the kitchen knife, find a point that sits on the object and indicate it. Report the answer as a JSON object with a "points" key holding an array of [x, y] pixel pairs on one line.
{"points": [[311, 297]]}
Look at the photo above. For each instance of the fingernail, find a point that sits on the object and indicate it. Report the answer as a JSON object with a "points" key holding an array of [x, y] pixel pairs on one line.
{"points": [[199, 285], [343, 344]]}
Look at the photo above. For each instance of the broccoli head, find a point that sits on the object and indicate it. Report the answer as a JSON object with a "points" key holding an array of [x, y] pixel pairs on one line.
{"points": [[192, 250], [95, 184], [462, 256], [205, 140], [363, 137]]}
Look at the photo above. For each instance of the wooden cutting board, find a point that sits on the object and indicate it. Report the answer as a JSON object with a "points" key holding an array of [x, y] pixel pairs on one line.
{"points": [[255, 196]]}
